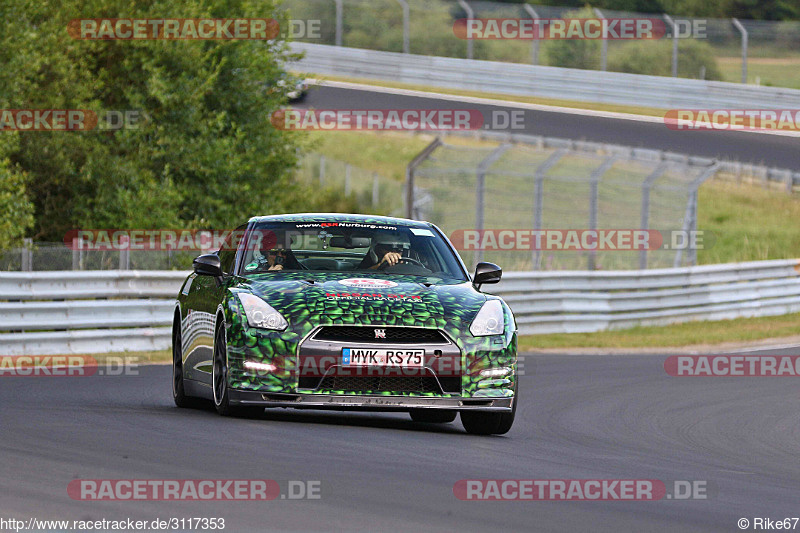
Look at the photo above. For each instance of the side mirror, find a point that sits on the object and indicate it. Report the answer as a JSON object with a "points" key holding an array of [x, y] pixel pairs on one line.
{"points": [[486, 273], [207, 265]]}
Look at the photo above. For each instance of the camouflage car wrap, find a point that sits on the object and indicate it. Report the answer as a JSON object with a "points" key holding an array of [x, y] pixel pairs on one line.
{"points": [[311, 299]]}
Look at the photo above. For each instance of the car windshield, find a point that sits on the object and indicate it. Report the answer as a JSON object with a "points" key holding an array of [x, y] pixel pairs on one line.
{"points": [[348, 247]]}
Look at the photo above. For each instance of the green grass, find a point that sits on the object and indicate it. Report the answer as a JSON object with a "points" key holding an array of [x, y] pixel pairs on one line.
{"points": [[749, 223], [777, 72], [690, 334]]}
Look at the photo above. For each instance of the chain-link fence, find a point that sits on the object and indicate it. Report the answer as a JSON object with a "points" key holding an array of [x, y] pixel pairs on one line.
{"points": [[707, 48], [518, 191], [370, 189]]}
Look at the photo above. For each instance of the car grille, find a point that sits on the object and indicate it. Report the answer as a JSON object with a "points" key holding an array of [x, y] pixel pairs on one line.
{"points": [[394, 335], [380, 384]]}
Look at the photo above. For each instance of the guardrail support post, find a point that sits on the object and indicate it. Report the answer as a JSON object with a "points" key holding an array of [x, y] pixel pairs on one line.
{"points": [[339, 23], [535, 43], [604, 43], [406, 26], [375, 189], [644, 224], [594, 185], [470, 15], [27, 255], [411, 168], [743, 31], [538, 200], [674, 44]]}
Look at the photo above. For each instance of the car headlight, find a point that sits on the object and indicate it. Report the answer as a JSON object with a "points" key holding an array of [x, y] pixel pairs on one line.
{"points": [[260, 314], [490, 320]]}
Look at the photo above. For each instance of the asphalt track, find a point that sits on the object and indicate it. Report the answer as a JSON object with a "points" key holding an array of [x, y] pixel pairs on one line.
{"points": [[580, 417], [755, 148]]}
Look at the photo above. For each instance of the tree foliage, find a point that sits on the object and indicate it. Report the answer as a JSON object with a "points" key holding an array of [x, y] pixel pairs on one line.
{"points": [[204, 153]]}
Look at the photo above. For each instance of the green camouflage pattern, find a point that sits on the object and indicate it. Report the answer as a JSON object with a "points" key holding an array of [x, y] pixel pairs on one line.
{"points": [[303, 298]]}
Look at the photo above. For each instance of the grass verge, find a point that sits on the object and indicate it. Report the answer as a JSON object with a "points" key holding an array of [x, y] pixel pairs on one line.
{"points": [[690, 334]]}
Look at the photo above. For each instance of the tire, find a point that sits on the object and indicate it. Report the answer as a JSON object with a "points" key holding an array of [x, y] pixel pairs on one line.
{"points": [[178, 391], [479, 423], [433, 416], [219, 382]]}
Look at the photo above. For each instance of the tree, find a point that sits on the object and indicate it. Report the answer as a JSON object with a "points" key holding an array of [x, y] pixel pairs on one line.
{"points": [[203, 152]]}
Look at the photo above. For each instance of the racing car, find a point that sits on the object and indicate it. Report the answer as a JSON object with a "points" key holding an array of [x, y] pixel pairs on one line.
{"points": [[345, 312]]}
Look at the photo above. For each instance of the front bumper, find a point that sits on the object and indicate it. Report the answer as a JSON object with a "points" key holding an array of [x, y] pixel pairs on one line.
{"points": [[342, 402]]}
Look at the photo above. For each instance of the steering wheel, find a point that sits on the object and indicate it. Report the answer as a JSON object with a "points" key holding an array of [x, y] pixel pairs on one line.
{"points": [[406, 260]]}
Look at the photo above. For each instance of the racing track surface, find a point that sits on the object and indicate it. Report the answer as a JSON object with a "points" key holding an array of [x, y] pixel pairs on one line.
{"points": [[581, 417], [762, 149]]}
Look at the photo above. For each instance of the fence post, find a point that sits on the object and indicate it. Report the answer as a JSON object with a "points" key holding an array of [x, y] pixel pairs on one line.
{"points": [[339, 24], [406, 26], [411, 168], [604, 43], [470, 15], [594, 184], [347, 179], [480, 190], [645, 214], [535, 42], [690, 218], [674, 45], [375, 189], [743, 31], [322, 170], [538, 200]]}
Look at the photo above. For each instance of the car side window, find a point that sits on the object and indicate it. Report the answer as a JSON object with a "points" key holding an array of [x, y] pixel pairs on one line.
{"points": [[227, 253]]}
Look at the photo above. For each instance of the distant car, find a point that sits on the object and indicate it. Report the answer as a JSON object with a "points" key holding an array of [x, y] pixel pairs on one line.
{"points": [[298, 87], [335, 311]]}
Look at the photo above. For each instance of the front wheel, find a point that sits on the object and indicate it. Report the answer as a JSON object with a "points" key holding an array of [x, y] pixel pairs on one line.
{"points": [[219, 380], [479, 423]]}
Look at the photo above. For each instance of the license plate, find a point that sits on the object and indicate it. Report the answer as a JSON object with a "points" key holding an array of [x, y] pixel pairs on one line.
{"points": [[366, 357]]}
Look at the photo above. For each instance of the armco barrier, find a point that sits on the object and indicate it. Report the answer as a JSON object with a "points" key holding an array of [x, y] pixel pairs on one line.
{"points": [[571, 302], [546, 82], [47, 313]]}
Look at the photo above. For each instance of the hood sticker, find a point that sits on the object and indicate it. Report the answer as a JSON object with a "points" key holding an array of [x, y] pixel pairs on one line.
{"points": [[368, 283]]}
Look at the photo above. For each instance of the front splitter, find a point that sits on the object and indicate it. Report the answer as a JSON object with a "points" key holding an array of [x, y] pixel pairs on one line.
{"points": [[368, 402]]}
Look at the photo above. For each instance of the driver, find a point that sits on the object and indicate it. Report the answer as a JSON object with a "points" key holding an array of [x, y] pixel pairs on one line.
{"points": [[386, 251]]}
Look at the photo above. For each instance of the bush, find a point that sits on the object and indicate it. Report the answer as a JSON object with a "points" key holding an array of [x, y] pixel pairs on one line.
{"points": [[655, 58], [584, 54]]}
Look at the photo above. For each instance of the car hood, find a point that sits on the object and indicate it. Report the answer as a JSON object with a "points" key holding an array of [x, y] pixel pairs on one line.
{"points": [[345, 297]]}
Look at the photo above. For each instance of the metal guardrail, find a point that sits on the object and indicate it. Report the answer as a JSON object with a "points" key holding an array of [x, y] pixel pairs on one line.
{"points": [[84, 312], [547, 82], [572, 302], [97, 311]]}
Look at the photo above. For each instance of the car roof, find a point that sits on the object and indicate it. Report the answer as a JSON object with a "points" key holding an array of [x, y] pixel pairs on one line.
{"points": [[342, 217]]}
